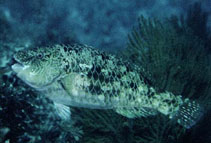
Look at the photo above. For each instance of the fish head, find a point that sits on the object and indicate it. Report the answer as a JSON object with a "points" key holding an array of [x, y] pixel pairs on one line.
{"points": [[38, 67]]}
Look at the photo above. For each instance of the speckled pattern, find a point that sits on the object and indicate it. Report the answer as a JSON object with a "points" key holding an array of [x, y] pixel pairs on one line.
{"points": [[97, 79]]}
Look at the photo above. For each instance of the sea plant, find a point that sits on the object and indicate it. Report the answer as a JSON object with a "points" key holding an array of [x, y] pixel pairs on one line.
{"points": [[173, 59]]}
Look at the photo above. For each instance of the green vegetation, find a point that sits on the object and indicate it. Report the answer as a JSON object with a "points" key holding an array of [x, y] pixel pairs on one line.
{"points": [[106, 126], [28, 117], [174, 57]]}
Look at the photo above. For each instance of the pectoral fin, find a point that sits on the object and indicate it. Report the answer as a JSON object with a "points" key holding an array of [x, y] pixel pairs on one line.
{"points": [[63, 111]]}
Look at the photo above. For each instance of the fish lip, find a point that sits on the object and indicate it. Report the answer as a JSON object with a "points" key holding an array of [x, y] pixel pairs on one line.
{"points": [[17, 61], [17, 65]]}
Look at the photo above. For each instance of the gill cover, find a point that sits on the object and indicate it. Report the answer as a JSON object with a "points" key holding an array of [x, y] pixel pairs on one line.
{"points": [[37, 67]]}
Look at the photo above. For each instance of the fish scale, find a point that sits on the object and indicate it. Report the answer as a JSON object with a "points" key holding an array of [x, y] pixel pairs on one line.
{"points": [[82, 76], [120, 84]]}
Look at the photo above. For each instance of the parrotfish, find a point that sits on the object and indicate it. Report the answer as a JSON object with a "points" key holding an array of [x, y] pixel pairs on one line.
{"points": [[82, 76]]}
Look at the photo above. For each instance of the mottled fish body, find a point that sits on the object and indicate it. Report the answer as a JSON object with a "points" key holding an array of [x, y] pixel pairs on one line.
{"points": [[81, 76]]}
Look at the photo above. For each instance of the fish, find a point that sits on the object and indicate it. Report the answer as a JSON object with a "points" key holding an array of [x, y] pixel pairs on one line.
{"points": [[81, 76]]}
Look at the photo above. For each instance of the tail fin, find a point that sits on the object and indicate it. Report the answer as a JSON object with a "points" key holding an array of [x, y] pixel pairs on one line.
{"points": [[189, 114]]}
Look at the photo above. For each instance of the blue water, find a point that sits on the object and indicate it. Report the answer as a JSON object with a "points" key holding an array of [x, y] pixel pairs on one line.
{"points": [[28, 117]]}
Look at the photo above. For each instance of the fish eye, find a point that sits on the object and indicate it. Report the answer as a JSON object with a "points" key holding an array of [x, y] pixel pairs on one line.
{"points": [[40, 55]]}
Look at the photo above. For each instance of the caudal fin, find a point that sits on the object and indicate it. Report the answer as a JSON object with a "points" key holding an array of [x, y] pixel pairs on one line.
{"points": [[189, 114]]}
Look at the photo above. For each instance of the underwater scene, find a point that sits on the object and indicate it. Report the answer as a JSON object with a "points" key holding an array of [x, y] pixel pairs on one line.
{"points": [[105, 71]]}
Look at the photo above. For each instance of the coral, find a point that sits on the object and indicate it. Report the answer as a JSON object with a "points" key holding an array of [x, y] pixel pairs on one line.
{"points": [[106, 126], [172, 59], [30, 117], [172, 54], [102, 126]]}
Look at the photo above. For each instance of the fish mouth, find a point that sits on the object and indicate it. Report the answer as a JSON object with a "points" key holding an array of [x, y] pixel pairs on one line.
{"points": [[17, 66]]}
